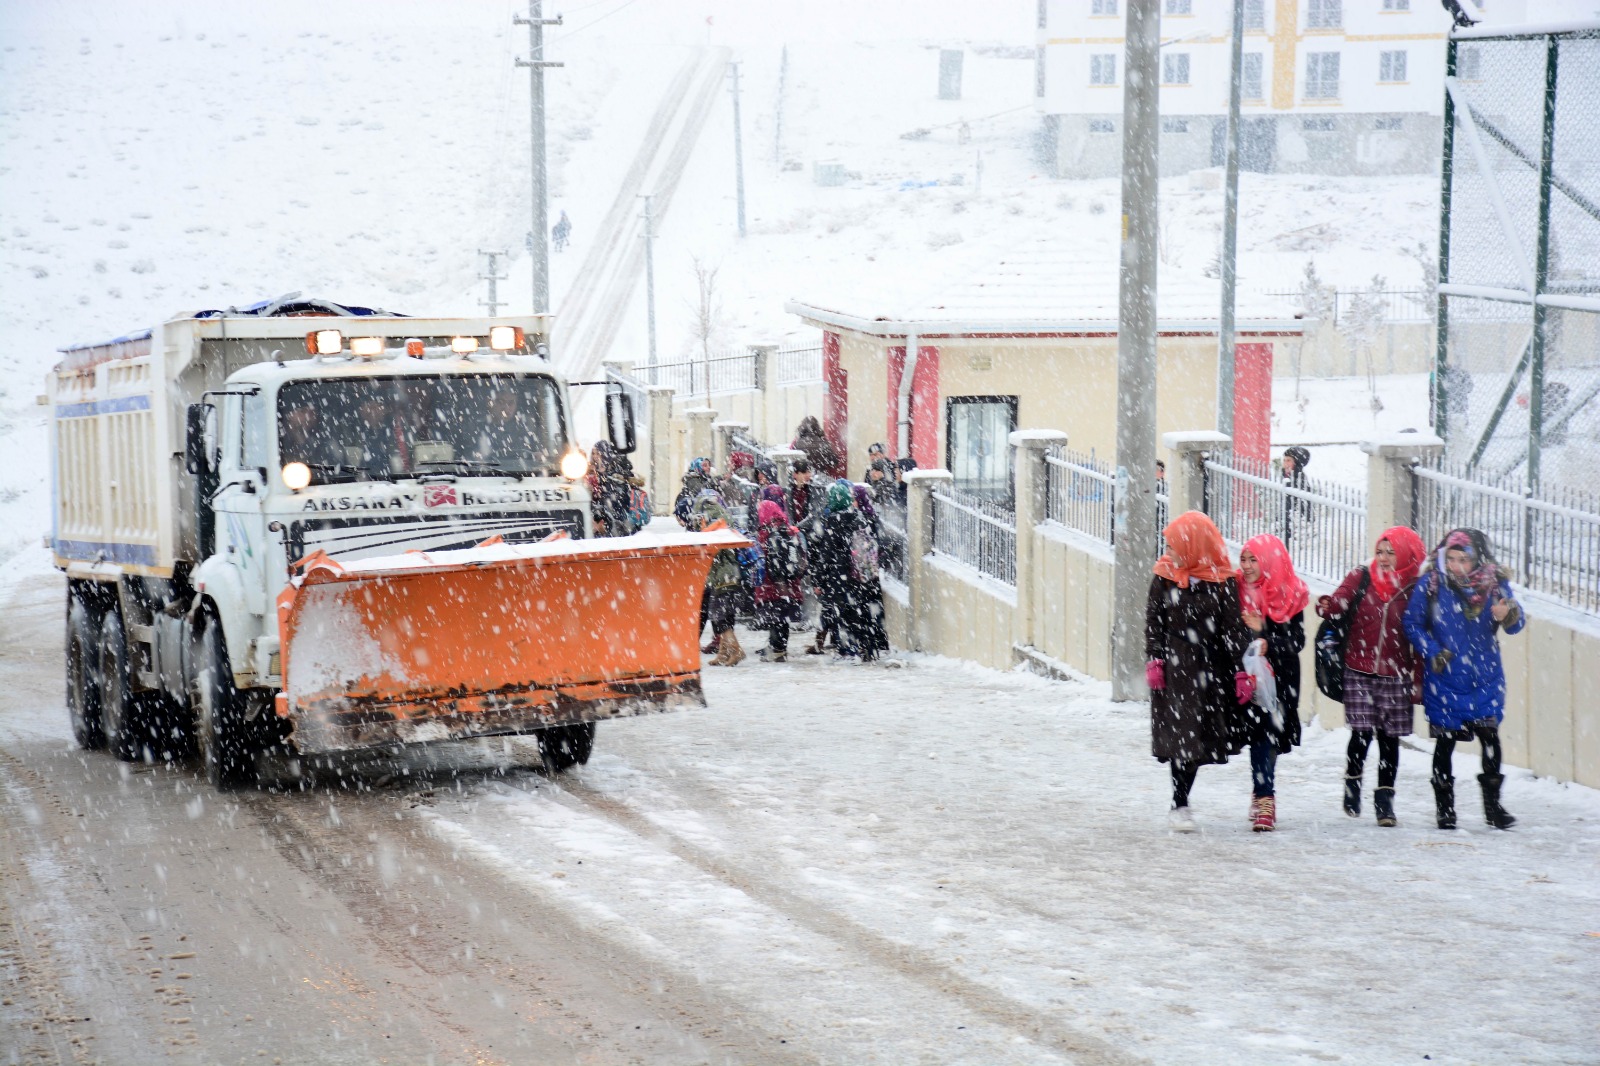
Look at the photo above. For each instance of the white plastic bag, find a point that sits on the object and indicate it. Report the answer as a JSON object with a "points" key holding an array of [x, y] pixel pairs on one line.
{"points": [[1266, 694]]}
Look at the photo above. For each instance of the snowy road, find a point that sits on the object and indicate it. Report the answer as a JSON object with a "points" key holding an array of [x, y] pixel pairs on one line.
{"points": [[830, 864]]}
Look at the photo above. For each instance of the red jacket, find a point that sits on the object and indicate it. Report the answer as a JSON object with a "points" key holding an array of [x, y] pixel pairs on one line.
{"points": [[1378, 643]]}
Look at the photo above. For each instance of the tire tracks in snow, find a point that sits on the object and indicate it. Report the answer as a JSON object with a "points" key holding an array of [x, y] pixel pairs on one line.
{"points": [[914, 964]]}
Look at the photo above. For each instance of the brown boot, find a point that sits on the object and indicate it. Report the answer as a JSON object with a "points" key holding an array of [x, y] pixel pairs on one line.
{"points": [[722, 651], [735, 653]]}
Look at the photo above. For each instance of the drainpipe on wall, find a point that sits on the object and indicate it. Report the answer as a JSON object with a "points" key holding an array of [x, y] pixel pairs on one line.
{"points": [[908, 371]]}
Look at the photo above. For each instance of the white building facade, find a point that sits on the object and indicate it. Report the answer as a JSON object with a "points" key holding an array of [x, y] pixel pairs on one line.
{"points": [[1329, 86]]}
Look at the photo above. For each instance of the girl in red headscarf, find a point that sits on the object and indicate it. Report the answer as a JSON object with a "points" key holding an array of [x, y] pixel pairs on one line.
{"points": [[1382, 672], [1193, 638], [1273, 601]]}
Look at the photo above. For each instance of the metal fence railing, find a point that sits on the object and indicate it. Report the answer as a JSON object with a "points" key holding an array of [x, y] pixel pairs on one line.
{"points": [[1323, 525], [1387, 305], [1549, 539], [692, 377], [1080, 493], [977, 531], [799, 365]]}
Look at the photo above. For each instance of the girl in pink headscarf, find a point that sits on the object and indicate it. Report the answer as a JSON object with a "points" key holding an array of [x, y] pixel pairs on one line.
{"points": [[1273, 599], [780, 592]]}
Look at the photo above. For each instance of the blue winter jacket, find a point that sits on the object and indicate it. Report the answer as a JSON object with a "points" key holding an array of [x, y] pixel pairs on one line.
{"points": [[1472, 684]]}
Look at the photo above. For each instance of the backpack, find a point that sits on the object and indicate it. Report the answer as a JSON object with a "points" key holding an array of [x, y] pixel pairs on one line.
{"points": [[863, 555], [783, 558], [1332, 635], [638, 508]]}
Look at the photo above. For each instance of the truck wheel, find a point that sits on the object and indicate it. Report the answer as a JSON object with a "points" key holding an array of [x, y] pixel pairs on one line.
{"points": [[123, 723], [83, 689], [566, 746], [220, 728]]}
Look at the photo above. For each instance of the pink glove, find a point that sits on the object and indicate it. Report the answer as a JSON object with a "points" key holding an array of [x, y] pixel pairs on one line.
{"points": [[1155, 675], [1244, 686]]}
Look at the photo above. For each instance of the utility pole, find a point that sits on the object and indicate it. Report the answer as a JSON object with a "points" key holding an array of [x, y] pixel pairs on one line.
{"points": [[540, 251], [738, 146], [777, 136], [1226, 365], [650, 283], [491, 276], [1135, 515]]}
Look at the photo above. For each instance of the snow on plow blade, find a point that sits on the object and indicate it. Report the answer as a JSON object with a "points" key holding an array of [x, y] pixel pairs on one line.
{"points": [[495, 639]]}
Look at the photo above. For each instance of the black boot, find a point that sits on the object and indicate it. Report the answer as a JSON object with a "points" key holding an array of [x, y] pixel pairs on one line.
{"points": [[1352, 797], [1444, 796], [1493, 813], [1383, 807]]}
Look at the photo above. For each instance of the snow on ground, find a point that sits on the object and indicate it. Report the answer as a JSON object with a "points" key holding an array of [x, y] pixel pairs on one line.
{"points": [[944, 863]]}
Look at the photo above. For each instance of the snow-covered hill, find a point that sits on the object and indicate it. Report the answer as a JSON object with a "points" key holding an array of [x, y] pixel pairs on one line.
{"points": [[158, 157]]}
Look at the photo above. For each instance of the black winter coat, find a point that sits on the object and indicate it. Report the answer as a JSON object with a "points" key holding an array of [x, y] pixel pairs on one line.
{"points": [[1200, 636], [1285, 642]]}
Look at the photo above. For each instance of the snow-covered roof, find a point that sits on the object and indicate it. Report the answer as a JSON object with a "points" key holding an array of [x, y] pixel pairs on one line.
{"points": [[1045, 287]]}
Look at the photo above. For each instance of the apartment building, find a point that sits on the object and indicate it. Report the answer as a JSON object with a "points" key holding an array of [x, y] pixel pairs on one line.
{"points": [[1329, 86]]}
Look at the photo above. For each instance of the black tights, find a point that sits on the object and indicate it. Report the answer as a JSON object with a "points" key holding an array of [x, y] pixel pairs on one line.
{"points": [[1445, 747], [1355, 756], [1182, 781]]}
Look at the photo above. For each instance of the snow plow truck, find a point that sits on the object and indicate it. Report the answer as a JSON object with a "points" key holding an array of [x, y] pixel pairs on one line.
{"points": [[316, 528]]}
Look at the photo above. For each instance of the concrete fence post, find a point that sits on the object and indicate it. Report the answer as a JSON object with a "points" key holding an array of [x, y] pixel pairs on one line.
{"points": [[783, 459], [723, 443], [1032, 485], [1186, 470], [700, 434], [1389, 482], [658, 423], [919, 542]]}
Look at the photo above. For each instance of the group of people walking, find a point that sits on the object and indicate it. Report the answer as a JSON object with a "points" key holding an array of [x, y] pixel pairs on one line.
{"points": [[811, 536], [1407, 627]]}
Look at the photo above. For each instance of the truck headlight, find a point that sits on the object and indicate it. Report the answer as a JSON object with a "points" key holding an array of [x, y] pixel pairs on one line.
{"points": [[574, 465], [296, 476]]}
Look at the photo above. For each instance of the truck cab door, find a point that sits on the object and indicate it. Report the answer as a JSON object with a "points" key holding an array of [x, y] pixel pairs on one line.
{"points": [[240, 499]]}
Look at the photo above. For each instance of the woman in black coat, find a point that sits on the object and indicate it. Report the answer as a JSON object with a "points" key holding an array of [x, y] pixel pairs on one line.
{"points": [[1194, 638], [841, 594], [1273, 599]]}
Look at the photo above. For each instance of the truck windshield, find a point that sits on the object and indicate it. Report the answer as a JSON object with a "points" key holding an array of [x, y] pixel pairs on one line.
{"points": [[380, 429]]}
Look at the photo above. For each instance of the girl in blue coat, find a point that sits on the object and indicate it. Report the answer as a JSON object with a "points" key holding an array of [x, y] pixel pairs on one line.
{"points": [[1459, 605]]}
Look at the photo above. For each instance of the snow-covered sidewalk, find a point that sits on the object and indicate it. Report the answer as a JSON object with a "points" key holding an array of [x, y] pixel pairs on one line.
{"points": [[943, 863]]}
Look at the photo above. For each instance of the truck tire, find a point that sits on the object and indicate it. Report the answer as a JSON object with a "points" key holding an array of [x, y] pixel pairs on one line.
{"points": [[83, 688], [226, 752], [566, 746], [122, 717]]}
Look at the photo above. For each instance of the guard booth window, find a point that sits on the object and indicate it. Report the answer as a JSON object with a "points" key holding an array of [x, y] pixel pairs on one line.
{"points": [[978, 443]]}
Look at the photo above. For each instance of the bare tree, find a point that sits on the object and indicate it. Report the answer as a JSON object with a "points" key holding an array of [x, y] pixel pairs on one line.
{"points": [[707, 314]]}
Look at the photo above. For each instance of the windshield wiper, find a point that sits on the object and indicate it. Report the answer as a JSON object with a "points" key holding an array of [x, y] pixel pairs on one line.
{"points": [[471, 466]]}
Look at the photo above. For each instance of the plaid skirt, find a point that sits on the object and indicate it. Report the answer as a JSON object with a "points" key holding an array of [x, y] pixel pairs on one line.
{"points": [[1375, 702]]}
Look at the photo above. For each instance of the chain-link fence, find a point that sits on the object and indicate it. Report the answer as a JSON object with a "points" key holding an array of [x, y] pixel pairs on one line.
{"points": [[1519, 360]]}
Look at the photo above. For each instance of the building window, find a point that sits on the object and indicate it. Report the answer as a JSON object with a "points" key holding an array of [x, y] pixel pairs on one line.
{"points": [[1255, 14], [1389, 122], [1324, 14], [978, 443], [1102, 125], [1250, 75], [1103, 69], [1174, 125], [1469, 62], [1179, 7], [1397, 5], [1103, 7], [1319, 124], [1175, 69], [1391, 66], [1322, 76]]}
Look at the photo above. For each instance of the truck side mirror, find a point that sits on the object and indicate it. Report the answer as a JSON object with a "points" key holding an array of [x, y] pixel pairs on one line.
{"points": [[619, 422], [200, 439]]}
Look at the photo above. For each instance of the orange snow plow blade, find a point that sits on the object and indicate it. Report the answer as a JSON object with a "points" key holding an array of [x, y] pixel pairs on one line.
{"points": [[493, 640]]}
